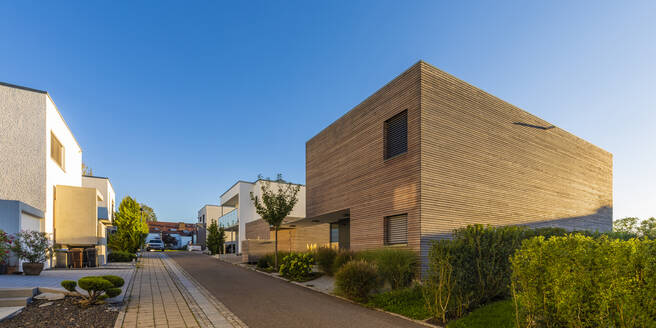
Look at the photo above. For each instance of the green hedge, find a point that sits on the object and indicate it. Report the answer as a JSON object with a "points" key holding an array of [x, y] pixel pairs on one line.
{"points": [[395, 266], [356, 280], [579, 281], [121, 256], [473, 268], [267, 261]]}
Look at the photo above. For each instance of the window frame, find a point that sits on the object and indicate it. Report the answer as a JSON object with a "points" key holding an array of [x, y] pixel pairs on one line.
{"points": [[385, 134], [62, 151], [386, 230]]}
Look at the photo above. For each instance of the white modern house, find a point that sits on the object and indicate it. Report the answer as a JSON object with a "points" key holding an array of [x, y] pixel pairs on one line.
{"points": [[242, 221], [41, 183]]}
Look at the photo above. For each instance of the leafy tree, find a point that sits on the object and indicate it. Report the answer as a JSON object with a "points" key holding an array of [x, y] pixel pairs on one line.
{"points": [[274, 206], [215, 238], [148, 213], [648, 228], [627, 225], [633, 225], [131, 229]]}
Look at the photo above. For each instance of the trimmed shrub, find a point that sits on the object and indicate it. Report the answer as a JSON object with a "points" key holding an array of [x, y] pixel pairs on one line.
{"points": [[97, 288], [326, 259], [356, 280], [579, 281], [263, 263], [342, 257], [115, 280], [69, 285], [113, 292], [121, 256], [297, 266], [396, 266]]}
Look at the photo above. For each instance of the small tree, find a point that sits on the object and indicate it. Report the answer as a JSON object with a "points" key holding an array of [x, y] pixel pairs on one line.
{"points": [[213, 238], [274, 206], [131, 229], [221, 240]]}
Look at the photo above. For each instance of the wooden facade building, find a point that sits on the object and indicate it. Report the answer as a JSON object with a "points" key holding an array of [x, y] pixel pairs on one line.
{"points": [[428, 153]]}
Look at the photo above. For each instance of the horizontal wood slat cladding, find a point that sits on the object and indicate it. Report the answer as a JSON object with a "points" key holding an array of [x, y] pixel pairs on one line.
{"points": [[486, 161], [257, 229], [289, 239], [345, 168]]}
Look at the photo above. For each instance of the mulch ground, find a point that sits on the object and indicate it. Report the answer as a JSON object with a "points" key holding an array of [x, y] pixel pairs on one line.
{"points": [[63, 313]]}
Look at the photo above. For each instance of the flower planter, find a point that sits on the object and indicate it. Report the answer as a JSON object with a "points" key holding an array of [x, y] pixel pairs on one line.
{"points": [[32, 269]]}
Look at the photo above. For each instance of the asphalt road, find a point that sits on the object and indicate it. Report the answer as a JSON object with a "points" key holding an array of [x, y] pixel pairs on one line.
{"points": [[263, 301]]}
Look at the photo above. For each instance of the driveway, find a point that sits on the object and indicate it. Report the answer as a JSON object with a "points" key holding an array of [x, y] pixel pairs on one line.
{"points": [[263, 301]]}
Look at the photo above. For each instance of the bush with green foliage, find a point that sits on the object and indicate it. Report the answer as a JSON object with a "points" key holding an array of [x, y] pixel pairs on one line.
{"points": [[326, 259], [97, 288], [473, 268], [579, 281], [297, 266], [342, 257], [32, 246], [356, 280], [267, 261], [115, 280], [69, 285], [396, 266], [121, 256]]}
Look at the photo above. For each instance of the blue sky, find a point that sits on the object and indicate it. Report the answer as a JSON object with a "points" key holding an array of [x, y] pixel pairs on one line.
{"points": [[175, 101]]}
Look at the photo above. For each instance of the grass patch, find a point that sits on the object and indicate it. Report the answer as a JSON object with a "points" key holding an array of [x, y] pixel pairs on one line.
{"points": [[408, 302], [499, 314]]}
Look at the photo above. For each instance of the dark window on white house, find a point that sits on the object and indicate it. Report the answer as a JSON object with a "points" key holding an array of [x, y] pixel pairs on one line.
{"points": [[396, 135], [396, 229]]}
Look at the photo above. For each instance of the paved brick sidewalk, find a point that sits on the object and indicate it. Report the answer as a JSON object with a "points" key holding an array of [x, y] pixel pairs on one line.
{"points": [[154, 300], [162, 296]]}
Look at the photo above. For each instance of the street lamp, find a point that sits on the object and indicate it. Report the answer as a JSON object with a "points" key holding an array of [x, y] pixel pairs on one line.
{"points": [[142, 239]]}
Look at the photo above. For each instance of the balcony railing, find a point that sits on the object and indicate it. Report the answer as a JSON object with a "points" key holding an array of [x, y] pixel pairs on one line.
{"points": [[230, 219]]}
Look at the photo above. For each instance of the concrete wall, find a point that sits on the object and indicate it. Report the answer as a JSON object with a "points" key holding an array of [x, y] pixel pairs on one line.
{"points": [[106, 190], [76, 216], [22, 146]]}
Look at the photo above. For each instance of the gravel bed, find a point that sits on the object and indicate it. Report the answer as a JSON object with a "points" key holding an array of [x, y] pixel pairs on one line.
{"points": [[63, 313]]}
